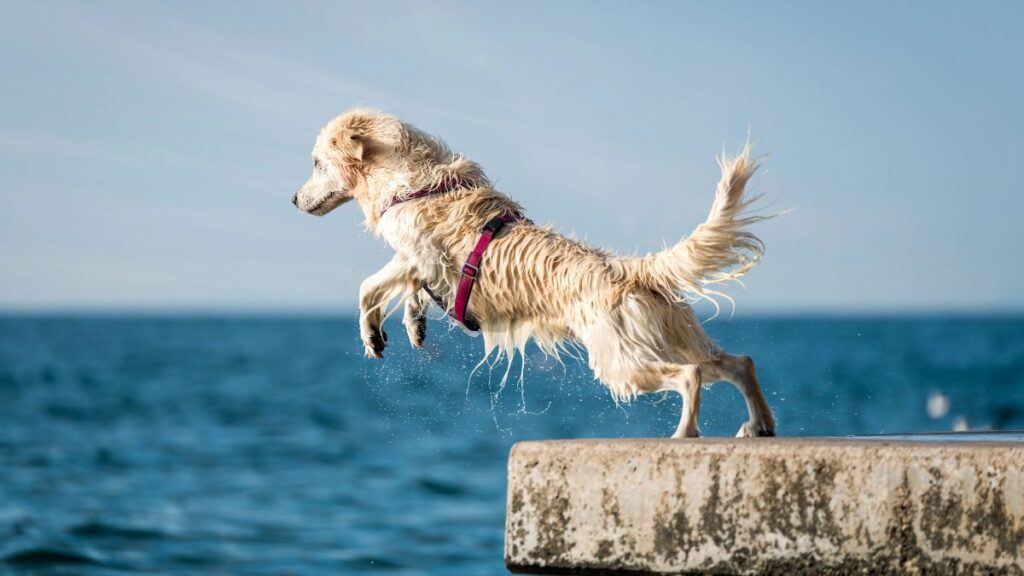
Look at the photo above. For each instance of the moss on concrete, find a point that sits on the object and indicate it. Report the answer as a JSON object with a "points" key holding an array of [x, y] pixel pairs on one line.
{"points": [[769, 506]]}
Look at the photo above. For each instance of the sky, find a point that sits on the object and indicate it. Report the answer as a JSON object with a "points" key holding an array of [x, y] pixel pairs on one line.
{"points": [[149, 151]]}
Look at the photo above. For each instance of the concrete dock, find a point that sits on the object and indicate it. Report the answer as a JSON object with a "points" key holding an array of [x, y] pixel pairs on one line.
{"points": [[946, 504]]}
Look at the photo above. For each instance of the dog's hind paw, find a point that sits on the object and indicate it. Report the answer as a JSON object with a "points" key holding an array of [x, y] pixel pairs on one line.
{"points": [[751, 430]]}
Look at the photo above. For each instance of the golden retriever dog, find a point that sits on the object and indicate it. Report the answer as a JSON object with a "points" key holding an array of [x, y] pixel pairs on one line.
{"points": [[631, 314]]}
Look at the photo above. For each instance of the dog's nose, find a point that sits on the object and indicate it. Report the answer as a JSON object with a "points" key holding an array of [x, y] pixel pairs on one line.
{"points": [[295, 200]]}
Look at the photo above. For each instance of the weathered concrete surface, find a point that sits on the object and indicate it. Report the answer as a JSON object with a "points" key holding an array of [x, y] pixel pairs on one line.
{"points": [[771, 506]]}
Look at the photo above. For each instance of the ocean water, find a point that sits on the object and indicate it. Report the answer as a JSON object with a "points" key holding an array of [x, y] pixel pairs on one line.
{"points": [[172, 445]]}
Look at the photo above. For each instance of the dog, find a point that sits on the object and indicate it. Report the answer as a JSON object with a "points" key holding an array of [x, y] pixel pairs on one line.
{"points": [[631, 314]]}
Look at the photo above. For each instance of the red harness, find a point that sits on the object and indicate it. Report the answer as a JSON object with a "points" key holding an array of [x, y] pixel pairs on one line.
{"points": [[444, 186], [471, 269]]}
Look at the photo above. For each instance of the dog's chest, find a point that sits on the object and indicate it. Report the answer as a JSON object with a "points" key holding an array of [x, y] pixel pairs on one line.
{"points": [[400, 229]]}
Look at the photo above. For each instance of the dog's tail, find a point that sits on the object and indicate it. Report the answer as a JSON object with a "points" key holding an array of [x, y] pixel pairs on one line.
{"points": [[719, 250]]}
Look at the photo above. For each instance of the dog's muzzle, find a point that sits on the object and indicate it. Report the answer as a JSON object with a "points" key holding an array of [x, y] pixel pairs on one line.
{"points": [[321, 194]]}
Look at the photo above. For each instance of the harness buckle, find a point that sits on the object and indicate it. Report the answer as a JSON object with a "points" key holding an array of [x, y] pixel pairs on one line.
{"points": [[470, 270], [493, 226]]}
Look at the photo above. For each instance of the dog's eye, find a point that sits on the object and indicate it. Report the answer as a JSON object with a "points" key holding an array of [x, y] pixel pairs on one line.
{"points": [[316, 163]]}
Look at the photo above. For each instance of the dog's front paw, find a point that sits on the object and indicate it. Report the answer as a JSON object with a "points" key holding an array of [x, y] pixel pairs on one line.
{"points": [[374, 341], [752, 430], [417, 330]]}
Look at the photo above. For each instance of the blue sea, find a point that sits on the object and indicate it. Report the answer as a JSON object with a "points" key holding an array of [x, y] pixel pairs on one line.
{"points": [[237, 445]]}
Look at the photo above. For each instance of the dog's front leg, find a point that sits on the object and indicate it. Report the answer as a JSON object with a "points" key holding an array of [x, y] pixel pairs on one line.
{"points": [[374, 294], [415, 319]]}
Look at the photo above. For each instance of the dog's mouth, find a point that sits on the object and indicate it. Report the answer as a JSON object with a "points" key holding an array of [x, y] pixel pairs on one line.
{"points": [[329, 202]]}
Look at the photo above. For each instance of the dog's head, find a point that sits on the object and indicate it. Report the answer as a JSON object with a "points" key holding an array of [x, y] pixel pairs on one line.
{"points": [[347, 150], [371, 157]]}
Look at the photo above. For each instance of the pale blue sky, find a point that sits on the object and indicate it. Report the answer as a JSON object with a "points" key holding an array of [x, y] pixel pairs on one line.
{"points": [[148, 151]]}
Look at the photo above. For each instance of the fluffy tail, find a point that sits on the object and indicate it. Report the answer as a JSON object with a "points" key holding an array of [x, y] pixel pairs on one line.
{"points": [[719, 250]]}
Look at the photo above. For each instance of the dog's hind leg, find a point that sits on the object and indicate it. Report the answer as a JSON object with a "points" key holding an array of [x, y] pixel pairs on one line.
{"points": [[740, 372], [682, 378], [688, 385]]}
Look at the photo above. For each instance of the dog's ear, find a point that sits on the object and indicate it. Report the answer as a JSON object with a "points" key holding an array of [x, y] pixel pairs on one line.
{"points": [[359, 136], [359, 139], [353, 146]]}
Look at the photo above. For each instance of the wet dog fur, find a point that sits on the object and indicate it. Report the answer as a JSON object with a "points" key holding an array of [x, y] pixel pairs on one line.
{"points": [[631, 314]]}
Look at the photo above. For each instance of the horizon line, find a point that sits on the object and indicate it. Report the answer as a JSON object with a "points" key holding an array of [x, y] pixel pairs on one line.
{"points": [[345, 312]]}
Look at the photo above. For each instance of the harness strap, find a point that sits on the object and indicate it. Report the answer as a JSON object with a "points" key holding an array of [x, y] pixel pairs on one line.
{"points": [[446, 185], [471, 270]]}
